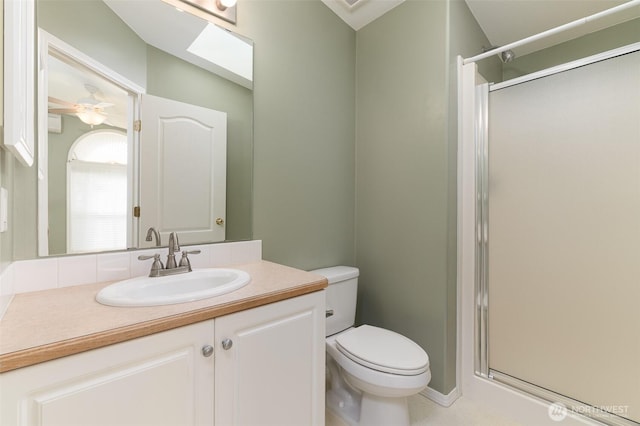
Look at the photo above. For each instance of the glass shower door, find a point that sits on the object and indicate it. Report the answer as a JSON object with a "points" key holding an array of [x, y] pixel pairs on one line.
{"points": [[563, 256]]}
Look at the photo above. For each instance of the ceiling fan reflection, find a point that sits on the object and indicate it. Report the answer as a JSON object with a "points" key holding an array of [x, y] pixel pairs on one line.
{"points": [[89, 110]]}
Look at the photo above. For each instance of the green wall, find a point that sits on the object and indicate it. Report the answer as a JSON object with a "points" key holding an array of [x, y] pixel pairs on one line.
{"points": [[304, 131], [406, 173]]}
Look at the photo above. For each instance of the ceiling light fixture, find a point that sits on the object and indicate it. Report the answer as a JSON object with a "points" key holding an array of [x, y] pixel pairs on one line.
{"points": [[91, 116], [223, 9]]}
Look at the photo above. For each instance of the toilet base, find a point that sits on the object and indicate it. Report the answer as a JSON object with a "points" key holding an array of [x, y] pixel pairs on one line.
{"points": [[344, 405], [368, 410], [377, 411], [358, 408]]}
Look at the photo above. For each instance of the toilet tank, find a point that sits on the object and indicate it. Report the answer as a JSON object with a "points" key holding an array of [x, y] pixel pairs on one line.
{"points": [[341, 297]]}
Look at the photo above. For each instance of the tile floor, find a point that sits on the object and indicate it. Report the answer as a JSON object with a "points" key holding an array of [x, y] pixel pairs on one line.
{"points": [[425, 412]]}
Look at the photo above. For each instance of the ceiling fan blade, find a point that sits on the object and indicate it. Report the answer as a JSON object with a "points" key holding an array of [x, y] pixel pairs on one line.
{"points": [[61, 102]]}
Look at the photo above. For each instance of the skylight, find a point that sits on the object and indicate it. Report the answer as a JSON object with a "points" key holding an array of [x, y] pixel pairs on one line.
{"points": [[220, 47]]}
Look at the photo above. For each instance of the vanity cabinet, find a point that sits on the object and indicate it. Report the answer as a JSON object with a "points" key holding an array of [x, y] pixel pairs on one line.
{"points": [[260, 366], [270, 364], [161, 379]]}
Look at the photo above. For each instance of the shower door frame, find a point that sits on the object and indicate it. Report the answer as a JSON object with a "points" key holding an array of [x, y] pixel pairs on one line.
{"points": [[482, 199]]}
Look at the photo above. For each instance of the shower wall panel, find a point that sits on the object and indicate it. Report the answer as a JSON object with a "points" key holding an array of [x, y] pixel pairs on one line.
{"points": [[564, 233]]}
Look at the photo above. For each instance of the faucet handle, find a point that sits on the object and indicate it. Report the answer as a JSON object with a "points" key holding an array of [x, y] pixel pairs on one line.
{"points": [[157, 265], [147, 257], [184, 261]]}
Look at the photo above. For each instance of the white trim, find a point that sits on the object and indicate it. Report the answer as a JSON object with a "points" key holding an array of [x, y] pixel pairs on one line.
{"points": [[55, 44], [459, 241], [568, 66], [553, 31], [440, 398]]}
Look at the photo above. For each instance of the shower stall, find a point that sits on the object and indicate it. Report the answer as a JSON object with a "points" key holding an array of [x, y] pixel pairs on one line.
{"points": [[549, 196]]}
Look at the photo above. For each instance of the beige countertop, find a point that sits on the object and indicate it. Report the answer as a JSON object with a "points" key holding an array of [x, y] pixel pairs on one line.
{"points": [[44, 325]]}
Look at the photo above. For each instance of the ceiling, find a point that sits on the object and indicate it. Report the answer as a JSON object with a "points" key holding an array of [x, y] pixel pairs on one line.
{"points": [[504, 21]]}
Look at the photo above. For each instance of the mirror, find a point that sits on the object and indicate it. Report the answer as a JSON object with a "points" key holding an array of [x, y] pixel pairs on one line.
{"points": [[131, 42]]}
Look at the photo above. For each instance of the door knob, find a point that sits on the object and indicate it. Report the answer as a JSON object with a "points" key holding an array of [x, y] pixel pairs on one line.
{"points": [[226, 344]]}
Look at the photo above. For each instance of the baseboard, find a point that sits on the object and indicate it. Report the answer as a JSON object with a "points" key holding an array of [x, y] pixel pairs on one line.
{"points": [[439, 398]]}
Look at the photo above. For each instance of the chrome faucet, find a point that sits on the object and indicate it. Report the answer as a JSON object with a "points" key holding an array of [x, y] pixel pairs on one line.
{"points": [[160, 270], [155, 233]]}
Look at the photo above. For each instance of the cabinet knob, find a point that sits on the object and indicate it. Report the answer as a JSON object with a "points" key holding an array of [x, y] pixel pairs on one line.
{"points": [[207, 350], [226, 344]]}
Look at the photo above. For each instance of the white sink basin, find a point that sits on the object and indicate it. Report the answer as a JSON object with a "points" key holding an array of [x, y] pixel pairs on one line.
{"points": [[187, 287]]}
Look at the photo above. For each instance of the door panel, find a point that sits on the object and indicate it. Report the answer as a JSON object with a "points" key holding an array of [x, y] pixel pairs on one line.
{"points": [[564, 233], [275, 364], [182, 170]]}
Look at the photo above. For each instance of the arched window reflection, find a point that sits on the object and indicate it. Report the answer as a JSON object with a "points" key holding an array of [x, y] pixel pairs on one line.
{"points": [[97, 188]]}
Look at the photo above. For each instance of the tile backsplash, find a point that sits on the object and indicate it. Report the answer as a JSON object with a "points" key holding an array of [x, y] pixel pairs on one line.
{"points": [[54, 272]]}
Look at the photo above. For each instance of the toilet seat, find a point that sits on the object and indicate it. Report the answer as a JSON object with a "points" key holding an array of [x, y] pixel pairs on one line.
{"points": [[383, 350]]}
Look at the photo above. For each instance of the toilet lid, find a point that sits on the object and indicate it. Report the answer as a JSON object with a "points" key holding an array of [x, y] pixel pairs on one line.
{"points": [[383, 350]]}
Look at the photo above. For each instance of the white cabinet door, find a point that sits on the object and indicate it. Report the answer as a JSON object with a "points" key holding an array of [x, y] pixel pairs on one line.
{"points": [[273, 372], [183, 169], [162, 379], [19, 123]]}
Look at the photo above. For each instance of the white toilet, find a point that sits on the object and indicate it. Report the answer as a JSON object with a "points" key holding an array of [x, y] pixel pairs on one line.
{"points": [[370, 371]]}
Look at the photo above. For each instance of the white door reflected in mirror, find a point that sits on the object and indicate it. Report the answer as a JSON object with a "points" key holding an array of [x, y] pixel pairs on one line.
{"points": [[183, 151]]}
